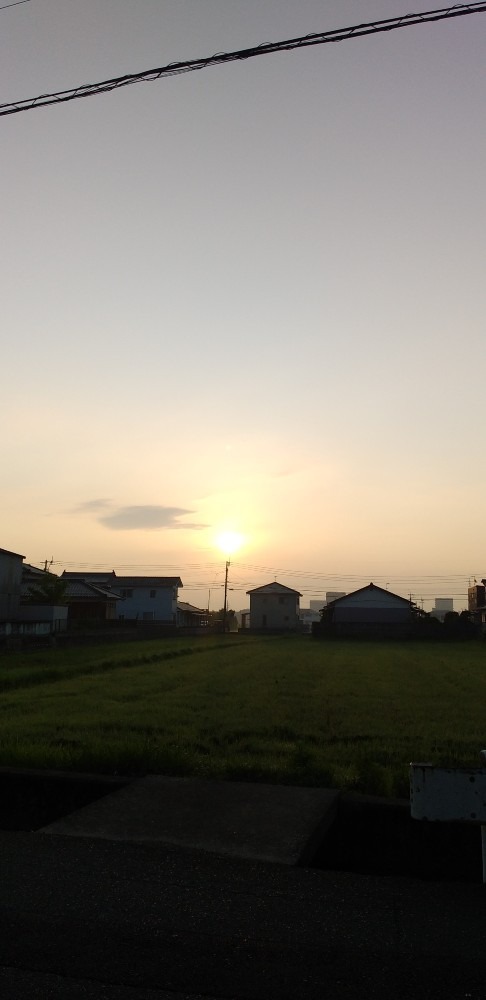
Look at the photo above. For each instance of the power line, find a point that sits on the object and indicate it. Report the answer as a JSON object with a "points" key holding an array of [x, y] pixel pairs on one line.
{"points": [[16, 4], [190, 65], [310, 581]]}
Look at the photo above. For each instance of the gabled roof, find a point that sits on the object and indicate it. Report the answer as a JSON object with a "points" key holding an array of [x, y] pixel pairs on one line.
{"points": [[6, 552], [373, 589], [148, 581], [273, 588], [28, 570], [83, 589], [183, 606], [105, 577], [110, 578], [75, 589]]}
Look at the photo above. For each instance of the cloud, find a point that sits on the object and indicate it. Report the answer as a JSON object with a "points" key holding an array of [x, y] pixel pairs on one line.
{"points": [[139, 517], [146, 517], [91, 506]]}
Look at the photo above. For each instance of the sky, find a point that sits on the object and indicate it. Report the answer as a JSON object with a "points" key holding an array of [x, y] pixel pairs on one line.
{"points": [[245, 299]]}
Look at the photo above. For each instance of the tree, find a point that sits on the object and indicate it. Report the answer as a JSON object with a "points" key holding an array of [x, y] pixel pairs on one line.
{"points": [[49, 590], [459, 626], [216, 618]]}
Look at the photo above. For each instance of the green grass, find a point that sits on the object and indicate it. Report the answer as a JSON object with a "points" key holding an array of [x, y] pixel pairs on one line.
{"points": [[288, 710]]}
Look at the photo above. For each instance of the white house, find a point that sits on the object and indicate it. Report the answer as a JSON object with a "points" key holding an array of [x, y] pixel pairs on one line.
{"points": [[370, 610], [274, 606], [10, 584], [148, 598], [143, 598]]}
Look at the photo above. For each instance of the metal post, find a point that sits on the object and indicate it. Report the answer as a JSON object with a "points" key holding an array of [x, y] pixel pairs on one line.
{"points": [[483, 834]]}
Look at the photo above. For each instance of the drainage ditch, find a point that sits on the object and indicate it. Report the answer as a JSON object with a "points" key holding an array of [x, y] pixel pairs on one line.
{"points": [[378, 837]]}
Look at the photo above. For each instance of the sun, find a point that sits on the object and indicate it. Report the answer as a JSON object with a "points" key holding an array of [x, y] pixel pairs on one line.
{"points": [[229, 542]]}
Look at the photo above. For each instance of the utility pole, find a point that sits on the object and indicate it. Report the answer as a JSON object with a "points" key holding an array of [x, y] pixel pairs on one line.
{"points": [[225, 605]]}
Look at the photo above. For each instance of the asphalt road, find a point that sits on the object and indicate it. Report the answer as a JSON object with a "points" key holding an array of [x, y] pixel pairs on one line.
{"points": [[86, 918]]}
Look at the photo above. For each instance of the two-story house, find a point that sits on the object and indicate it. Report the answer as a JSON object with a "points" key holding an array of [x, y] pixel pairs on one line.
{"points": [[274, 606], [141, 598]]}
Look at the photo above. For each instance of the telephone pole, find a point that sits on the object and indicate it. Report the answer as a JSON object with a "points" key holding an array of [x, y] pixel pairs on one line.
{"points": [[225, 605]]}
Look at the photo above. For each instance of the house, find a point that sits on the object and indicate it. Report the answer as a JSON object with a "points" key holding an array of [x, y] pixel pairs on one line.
{"points": [[370, 611], [140, 598], [275, 607], [307, 618], [88, 602], [476, 602], [106, 579], [190, 617], [243, 619], [42, 601], [10, 584], [148, 598]]}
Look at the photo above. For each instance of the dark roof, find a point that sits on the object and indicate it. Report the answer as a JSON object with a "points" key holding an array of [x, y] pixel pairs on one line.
{"points": [[34, 571], [273, 588], [80, 588], [6, 552], [148, 581], [370, 586], [89, 575], [74, 589], [110, 578], [183, 606]]}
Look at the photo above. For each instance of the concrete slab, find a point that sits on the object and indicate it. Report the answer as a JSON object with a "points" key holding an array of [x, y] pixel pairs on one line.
{"points": [[261, 822]]}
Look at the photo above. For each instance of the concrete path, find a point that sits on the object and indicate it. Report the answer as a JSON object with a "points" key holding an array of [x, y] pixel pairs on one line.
{"points": [[261, 822]]}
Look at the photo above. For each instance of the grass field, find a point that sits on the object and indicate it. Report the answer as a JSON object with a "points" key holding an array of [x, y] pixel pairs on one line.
{"points": [[288, 710]]}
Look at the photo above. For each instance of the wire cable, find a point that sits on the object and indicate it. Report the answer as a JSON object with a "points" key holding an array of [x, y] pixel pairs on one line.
{"points": [[190, 65], [16, 4]]}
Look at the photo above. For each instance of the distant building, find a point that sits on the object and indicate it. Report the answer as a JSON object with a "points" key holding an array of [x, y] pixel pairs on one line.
{"points": [[274, 607], [334, 595], [476, 596], [243, 618], [331, 595], [476, 602], [443, 605], [307, 617]]}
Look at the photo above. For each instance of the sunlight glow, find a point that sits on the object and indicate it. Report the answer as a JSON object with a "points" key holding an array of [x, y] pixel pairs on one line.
{"points": [[229, 542]]}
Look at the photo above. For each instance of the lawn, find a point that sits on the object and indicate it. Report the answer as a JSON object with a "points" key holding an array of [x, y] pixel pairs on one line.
{"points": [[288, 710]]}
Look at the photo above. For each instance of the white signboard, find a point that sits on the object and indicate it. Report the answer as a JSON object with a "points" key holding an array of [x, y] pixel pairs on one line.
{"points": [[448, 794]]}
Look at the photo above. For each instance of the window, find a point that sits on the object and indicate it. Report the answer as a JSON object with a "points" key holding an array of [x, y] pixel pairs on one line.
{"points": [[148, 616], [127, 593], [153, 593]]}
